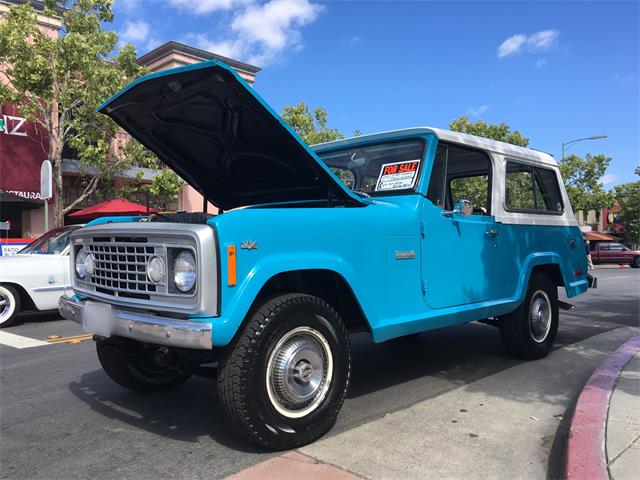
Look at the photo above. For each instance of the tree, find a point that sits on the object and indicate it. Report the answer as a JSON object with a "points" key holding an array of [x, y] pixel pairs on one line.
{"points": [[165, 184], [474, 189], [501, 132], [59, 81], [583, 181], [311, 126], [627, 195]]}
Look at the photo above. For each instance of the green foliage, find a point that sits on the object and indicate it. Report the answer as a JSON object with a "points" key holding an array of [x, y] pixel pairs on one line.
{"points": [[165, 184], [475, 188], [59, 81], [494, 131], [627, 195], [582, 179], [311, 126]]}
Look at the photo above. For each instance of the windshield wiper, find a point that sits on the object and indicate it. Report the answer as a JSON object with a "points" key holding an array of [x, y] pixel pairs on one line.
{"points": [[362, 193], [162, 215]]}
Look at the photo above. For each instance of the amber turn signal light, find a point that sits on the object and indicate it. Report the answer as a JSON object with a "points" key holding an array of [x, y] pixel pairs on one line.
{"points": [[231, 265]]}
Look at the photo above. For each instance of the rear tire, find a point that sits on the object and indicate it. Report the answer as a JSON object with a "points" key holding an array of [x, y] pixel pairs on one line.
{"points": [[635, 263], [529, 331], [136, 373], [9, 306], [284, 379]]}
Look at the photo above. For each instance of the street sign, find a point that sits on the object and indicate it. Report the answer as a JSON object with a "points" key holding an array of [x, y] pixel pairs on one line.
{"points": [[46, 180]]}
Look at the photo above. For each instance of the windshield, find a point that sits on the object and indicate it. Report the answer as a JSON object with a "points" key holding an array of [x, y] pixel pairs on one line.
{"points": [[51, 243], [380, 169]]}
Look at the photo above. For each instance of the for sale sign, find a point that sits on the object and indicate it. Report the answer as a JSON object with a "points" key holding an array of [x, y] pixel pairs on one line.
{"points": [[398, 176]]}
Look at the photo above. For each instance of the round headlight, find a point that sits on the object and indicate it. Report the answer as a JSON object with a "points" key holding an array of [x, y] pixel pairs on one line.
{"points": [[155, 269], [184, 271], [81, 256], [89, 264]]}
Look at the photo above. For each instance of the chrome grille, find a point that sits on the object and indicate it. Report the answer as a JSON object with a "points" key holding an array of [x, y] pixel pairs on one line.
{"points": [[120, 266]]}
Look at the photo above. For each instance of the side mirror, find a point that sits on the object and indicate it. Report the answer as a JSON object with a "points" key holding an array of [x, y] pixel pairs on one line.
{"points": [[462, 207]]}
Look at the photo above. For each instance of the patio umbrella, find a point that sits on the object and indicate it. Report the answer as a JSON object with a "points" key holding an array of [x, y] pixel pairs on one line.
{"points": [[115, 207], [595, 236]]}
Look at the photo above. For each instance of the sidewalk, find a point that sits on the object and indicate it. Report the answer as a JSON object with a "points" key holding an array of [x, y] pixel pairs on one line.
{"points": [[507, 425], [623, 424]]}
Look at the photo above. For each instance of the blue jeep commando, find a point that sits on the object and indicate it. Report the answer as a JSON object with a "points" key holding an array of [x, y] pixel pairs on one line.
{"points": [[395, 234]]}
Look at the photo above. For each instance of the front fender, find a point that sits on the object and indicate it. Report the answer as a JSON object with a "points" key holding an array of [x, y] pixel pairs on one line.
{"points": [[237, 300]]}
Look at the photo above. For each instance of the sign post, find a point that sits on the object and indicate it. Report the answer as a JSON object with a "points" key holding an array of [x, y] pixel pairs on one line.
{"points": [[46, 187]]}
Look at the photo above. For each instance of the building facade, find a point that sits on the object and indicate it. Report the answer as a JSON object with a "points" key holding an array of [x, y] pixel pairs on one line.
{"points": [[24, 146]]}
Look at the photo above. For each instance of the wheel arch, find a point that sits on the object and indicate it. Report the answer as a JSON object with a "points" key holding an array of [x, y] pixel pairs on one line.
{"points": [[556, 268], [327, 284], [324, 283], [26, 302]]}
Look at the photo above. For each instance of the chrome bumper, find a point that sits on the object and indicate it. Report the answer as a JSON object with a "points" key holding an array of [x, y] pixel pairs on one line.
{"points": [[147, 328]]}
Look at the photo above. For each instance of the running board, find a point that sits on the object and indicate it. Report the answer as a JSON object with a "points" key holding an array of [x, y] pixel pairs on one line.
{"points": [[565, 305]]}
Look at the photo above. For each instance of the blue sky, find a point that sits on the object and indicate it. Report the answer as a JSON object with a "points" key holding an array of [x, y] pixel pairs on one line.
{"points": [[555, 70]]}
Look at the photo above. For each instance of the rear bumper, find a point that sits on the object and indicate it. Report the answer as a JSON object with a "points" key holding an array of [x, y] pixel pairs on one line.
{"points": [[147, 328]]}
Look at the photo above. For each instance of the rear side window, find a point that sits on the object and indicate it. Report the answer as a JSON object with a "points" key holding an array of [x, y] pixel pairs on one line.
{"points": [[532, 189]]}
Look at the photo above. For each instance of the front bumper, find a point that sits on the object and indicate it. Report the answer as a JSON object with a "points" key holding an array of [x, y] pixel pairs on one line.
{"points": [[147, 328]]}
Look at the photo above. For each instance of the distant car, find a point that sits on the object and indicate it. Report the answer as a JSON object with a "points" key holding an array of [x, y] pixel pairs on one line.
{"points": [[614, 252], [36, 276]]}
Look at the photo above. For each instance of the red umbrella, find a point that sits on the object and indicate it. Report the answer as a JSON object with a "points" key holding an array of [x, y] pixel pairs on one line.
{"points": [[116, 207]]}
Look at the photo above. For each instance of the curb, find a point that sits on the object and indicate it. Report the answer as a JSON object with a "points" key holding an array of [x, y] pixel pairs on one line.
{"points": [[586, 456]]}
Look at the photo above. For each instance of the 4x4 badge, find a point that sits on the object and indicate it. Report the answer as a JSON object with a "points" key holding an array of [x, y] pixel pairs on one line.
{"points": [[248, 245]]}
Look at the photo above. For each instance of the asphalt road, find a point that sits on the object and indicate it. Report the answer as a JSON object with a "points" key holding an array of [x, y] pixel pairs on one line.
{"points": [[62, 417]]}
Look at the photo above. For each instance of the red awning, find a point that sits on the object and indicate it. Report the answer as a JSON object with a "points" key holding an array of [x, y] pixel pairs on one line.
{"points": [[595, 236], [116, 207]]}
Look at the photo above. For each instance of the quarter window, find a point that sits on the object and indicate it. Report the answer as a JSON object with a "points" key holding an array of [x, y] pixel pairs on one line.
{"points": [[533, 189]]}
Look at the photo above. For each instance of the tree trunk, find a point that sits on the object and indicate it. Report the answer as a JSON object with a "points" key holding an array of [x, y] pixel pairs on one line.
{"points": [[55, 157]]}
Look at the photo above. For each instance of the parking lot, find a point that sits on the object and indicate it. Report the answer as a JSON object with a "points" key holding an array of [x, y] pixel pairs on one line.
{"points": [[62, 417]]}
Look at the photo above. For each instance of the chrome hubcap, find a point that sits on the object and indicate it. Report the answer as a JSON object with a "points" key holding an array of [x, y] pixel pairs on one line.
{"points": [[540, 316], [5, 307], [299, 372]]}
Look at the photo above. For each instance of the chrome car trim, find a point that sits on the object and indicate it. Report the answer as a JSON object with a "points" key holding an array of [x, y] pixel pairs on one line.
{"points": [[147, 328], [200, 238], [51, 288]]}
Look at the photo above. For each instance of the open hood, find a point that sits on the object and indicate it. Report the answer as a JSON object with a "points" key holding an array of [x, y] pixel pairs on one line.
{"points": [[210, 126]]}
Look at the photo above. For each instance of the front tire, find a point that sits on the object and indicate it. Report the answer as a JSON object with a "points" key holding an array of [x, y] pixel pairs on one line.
{"points": [[635, 263], [529, 331], [138, 373], [284, 379], [9, 306]]}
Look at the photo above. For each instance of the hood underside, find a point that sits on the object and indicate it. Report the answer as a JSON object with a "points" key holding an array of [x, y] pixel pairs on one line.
{"points": [[209, 126]]}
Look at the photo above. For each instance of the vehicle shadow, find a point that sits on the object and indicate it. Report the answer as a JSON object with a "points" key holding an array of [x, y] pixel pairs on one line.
{"points": [[386, 377], [185, 413]]}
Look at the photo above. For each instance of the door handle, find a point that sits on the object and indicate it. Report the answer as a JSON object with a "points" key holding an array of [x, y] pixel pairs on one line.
{"points": [[491, 233]]}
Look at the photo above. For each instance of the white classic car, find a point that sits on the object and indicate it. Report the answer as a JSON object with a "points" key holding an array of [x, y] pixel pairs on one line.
{"points": [[35, 277]]}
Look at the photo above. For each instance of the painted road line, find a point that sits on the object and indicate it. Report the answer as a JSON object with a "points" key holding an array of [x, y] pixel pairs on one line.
{"points": [[74, 339], [18, 341]]}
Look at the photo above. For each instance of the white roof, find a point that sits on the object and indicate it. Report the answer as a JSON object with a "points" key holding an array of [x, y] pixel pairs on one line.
{"points": [[454, 137]]}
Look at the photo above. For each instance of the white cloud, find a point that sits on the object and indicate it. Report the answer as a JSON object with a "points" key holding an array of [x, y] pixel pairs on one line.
{"points": [[609, 178], [621, 79], [135, 32], [128, 5], [477, 111], [355, 41], [536, 42], [153, 43], [259, 33], [541, 62], [207, 6]]}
